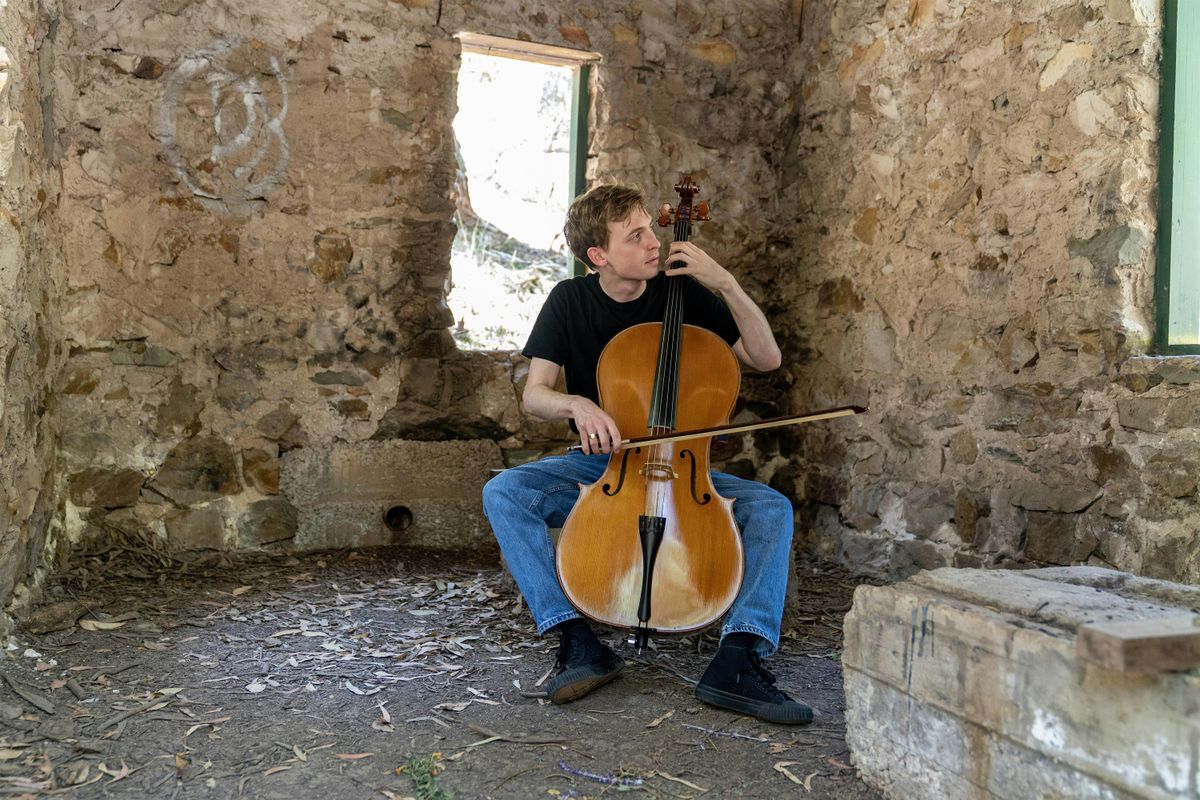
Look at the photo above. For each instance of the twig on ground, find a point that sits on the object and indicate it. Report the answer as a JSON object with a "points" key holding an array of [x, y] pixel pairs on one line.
{"points": [[515, 739], [727, 734], [37, 699]]}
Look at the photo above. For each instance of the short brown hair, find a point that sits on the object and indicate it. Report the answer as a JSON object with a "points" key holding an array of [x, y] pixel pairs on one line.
{"points": [[590, 213]]}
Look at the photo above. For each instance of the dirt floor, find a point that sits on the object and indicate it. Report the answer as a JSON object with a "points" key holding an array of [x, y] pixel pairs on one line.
{"points": [[382, 674]]}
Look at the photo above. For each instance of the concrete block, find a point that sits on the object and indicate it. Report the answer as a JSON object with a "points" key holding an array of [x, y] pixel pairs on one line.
{"points": [[420, 494], [964, 683], [1160, 645]]}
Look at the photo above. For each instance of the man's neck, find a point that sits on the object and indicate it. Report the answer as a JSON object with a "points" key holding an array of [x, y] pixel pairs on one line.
{"points": [[621, 289]]}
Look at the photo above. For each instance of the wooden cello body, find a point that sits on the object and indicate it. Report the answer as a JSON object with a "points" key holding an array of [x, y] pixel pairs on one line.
{"points": [[651, 546]]}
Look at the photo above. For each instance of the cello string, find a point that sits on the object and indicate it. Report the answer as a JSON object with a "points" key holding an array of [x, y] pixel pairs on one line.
{"points": [[662, 380], [657, 412], [675, 317], [670, 349]]}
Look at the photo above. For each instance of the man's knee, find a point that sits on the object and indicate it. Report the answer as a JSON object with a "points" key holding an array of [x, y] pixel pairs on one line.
{"points": [[500, 488], [780, 504], [520, 485], [766, 499], [773, 505]]}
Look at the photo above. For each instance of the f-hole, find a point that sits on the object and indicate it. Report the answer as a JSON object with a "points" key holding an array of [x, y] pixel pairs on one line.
{"points": [[692, 456], [620, 478]]}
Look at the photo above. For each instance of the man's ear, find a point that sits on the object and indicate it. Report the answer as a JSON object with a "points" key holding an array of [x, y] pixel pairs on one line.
{"points": [[597, 256]]}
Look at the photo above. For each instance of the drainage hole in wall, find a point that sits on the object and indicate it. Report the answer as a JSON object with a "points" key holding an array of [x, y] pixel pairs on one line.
{"points": [[398, 518]]}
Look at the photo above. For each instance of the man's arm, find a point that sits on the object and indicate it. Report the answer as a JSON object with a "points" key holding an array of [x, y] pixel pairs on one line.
{"points": [[541, 399], [757, 347]]}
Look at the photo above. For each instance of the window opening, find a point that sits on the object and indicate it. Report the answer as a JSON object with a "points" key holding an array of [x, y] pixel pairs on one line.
{"points": [[1177, 277], [515, 140]]}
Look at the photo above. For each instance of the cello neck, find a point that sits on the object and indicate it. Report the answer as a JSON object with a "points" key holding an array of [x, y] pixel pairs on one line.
{"points": [[665, 397]]}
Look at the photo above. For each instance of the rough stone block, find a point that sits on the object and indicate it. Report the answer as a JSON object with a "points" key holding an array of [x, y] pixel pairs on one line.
{"points": [[434, 491], [261, 470], [966, 684], [140, 354], [197, 470], [266, 522], [196, 528], [105, 488], [1142, 413], [1111, 248], [1057, 538]]}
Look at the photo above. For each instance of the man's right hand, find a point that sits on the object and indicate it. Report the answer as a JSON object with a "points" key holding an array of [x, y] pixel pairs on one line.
{"points": [[542, 399], [598, 431]]}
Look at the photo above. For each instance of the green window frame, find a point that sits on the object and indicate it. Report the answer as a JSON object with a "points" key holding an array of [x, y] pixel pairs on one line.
{"points": [[1177, 272], [581, 103]]}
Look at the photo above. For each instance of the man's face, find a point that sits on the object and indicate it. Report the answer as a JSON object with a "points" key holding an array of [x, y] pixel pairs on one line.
{"points": [[632, 250]]}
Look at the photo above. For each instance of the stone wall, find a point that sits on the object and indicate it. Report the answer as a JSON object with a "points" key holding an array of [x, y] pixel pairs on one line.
{"points": [[946, 209], [258, 214], [973, 187], [31, 338]]}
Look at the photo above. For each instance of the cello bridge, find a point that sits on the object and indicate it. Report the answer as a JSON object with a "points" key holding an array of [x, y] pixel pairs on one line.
{"points": [[656, 467]]}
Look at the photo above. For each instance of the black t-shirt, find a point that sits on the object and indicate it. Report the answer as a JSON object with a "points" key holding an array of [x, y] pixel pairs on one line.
{"points": [[579, 319]]}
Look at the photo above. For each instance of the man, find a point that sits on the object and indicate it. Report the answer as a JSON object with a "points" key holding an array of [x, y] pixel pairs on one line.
{"points": [[609, 229]]}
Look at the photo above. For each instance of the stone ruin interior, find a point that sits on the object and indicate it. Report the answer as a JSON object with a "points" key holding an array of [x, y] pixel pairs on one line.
{"points": [[242, 551]]}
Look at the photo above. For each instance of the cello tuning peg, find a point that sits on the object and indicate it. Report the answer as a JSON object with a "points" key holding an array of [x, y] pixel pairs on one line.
{"points": [[702, 211], [664, 215]]}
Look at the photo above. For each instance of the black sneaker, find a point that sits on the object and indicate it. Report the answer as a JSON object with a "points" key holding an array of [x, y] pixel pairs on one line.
{"points": [[584, 662], [737, 680]]}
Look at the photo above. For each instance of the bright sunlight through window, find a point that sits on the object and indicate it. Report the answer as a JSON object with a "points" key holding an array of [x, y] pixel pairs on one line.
{"points": [[513, 137]]}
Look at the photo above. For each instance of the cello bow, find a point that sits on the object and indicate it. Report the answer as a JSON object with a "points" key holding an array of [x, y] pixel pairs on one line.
{"points": [[721, 430]]}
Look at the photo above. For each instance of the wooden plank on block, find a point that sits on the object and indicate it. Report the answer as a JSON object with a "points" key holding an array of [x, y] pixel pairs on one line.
{"points": [[1149, 645]]}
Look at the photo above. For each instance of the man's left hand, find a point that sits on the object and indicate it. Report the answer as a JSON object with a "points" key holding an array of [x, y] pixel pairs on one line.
{"points": [[700, 265]]}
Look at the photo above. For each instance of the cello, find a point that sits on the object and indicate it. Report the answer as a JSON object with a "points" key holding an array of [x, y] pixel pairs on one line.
{"points": [[651, 546]]}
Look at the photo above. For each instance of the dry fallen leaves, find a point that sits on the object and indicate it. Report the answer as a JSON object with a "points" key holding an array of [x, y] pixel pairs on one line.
{"points": [[384, 722], [782, 768], [98, 625], [661, 719], [452, 706], [356, 690], [116, 776], [664, 775]]}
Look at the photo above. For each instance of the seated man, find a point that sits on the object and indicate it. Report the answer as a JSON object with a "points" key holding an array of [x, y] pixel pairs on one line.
{"points": [[609, 230]]}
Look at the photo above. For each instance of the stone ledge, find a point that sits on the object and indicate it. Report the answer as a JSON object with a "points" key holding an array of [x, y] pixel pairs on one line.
{"points": [[342, 493], [965, 684], [1185, 366]]}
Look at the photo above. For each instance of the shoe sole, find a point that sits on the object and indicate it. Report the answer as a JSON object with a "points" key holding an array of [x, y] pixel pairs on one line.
{"points": [[575, 683], [797, 715]]}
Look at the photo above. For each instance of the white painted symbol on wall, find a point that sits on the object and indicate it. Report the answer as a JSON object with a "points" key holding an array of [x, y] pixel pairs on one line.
{"points": [[218, 129]]}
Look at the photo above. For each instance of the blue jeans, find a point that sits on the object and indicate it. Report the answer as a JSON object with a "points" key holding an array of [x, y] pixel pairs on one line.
{"points": [[523, 503]]}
